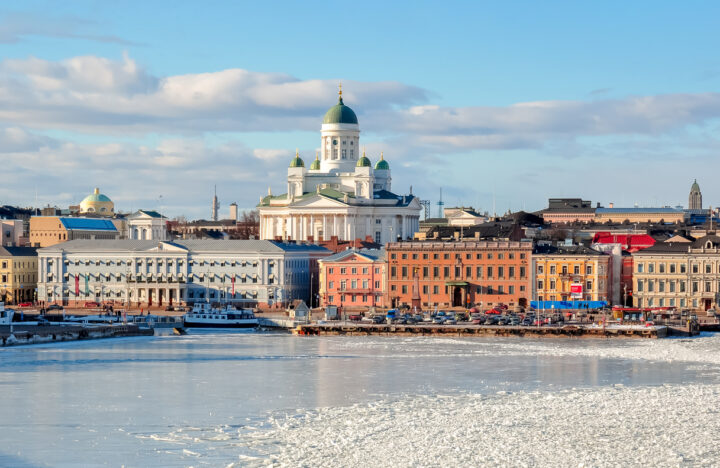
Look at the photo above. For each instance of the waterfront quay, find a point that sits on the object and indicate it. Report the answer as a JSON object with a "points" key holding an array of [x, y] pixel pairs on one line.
{"points": [[566, 331], [19, 334]]}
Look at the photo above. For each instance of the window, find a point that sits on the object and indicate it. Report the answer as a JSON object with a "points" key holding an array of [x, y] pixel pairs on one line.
{"points": [[404, 289], [511, 289], [331, 271], [661, 268], [552, 285], [331, 284], [640, 267], [511, 272], [695, 286], [501, 272], [651, 268], [436, 272], [672, 268], [500, 256], [522, 272], [343, 285], [436, 290], [343, 271], [501, 290], [671, 285], [576, 270], [588, 270], [552, 269], [353, 284], [365, 271], [540, 269], [489, 272], [564, 269], [353, 271], [707, 286], [683, 268], [377, 284], [661, 286], [651, 286], [640, 285], [426, 271], [588, 285], [540, 284], [393, 272], [695, 268], [404, 272], [708, 268], [489, 256], [425, 289], [479, 272]]}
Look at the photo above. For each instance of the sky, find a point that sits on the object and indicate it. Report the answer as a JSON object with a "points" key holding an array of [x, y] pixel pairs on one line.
{"points": [[502, 105]]}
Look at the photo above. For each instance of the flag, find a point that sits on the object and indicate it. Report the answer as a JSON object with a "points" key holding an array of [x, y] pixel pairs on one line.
{"points": [[87, 288], [233, 285], [77, 285]]}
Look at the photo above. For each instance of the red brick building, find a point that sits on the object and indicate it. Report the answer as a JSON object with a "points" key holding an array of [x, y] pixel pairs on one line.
{"points": [[353, 278], [459, 274]]}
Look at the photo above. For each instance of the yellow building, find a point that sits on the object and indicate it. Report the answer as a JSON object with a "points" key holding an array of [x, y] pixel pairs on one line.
{"points": [[661, 275], [18, 274], [557, 268], [97, 203], [639, 215]]}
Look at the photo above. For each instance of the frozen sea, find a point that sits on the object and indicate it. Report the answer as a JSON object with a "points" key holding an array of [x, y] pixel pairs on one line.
{"points": [[244, 399]]}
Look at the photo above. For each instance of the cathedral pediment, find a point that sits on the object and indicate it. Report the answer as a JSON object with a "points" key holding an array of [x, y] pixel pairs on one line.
{"points": [[318, 201]]}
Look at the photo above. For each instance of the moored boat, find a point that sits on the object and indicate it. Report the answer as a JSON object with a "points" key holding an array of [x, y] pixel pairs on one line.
{"points": [[6, 315], [203, 315]]}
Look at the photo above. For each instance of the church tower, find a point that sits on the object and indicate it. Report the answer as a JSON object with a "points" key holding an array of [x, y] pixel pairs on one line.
{"points": [[695, 199], [340, 138]]}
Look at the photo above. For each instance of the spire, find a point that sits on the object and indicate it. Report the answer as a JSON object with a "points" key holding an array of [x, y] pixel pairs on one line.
{"points": [[269, 191], [340, 101], [382, 157]]}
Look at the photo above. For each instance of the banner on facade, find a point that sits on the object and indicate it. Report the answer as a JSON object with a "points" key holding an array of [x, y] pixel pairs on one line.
{"points": [[233, 285], [87, 286], [576, 289], [77, 285]]}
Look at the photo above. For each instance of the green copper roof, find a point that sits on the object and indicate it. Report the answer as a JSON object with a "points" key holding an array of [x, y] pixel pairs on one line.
{"points": [[340, 114], [96, 198], [297, 161], [363, 162], [315, 165], [382, 165]]}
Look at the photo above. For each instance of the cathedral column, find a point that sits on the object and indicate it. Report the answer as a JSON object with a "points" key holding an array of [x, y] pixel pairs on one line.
{"points": [[312, 227], [325, 233]]}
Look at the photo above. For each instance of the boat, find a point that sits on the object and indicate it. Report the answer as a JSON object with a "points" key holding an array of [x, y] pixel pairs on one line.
{"points": [[6, 315], [203, 315]]}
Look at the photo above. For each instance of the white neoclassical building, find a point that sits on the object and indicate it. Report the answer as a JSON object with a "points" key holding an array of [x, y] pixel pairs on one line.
{"points": [[146, 225], [148, 273], [341, 194]]}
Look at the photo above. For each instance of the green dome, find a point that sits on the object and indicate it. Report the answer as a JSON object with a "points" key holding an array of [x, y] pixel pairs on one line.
{"points": [[297, 162], [96, 198], [363, 162], [382, 165], [315, 165], [340, 114]]}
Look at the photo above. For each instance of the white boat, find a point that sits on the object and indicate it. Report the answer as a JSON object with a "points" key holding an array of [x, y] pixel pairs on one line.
{"points": [[6, 315], [203, 315]]}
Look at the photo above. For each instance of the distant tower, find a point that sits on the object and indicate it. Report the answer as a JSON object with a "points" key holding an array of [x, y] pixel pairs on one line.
{"points": [[233, 211], [695, 199], [440, 205], [214, 214]]}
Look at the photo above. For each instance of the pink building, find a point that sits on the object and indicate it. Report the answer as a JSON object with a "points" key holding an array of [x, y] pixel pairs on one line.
{"points": [[353, 278]]}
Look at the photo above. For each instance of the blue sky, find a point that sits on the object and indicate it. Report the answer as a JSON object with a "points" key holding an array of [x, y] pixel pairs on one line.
{"points": [[513, 102]]}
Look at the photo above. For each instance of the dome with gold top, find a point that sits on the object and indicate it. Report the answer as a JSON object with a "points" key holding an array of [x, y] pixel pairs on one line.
{"points": [[97, 203]]}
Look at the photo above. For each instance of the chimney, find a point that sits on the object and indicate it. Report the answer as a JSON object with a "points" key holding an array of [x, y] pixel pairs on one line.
{"points": [[612, 205], [456, 235], [233, 211], [477, 235]]}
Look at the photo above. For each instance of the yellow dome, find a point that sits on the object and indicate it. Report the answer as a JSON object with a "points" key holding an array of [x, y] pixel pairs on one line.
{"points": [[97, 203]]}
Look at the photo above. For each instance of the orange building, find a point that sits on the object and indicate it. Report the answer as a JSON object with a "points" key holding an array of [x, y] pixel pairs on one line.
{"points": [[459, 274], [353, 278]]}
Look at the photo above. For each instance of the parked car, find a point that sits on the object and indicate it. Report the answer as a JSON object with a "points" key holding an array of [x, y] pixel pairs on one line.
{"points": [[377, 319], [91, 304], [54, 307], [355, 317], [25, 304]]}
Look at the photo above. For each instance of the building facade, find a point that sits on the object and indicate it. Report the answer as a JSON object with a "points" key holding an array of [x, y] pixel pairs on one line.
{"points": [[661, 276], [146, 273], [146, 225], [558, 268], [459, 274], [354, 278], [639, 215], [50, 230], [341, 194], [18, 274]]}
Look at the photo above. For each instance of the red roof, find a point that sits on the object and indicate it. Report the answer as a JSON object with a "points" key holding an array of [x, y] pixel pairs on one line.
{"points": [[629, 242]]}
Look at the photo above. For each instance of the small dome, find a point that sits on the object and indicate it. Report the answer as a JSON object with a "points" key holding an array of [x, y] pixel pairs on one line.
{"points": [[97, 203], [363, 162], [340, 113], [297, 161], [382, 165], [315, 165]]}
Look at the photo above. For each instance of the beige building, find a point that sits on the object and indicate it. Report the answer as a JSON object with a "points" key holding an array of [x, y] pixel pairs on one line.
{"points": [[50, 230], [679, 274], [557, 268], [639, 215], [18, 274]]}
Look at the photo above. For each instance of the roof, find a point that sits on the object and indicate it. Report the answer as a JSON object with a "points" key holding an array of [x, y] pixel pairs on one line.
{"points": [[695, 187], [374, 255], [18, 252], [315, 165], [88, 224], [382, 165], [631, 242], [340, 114], [665, 247], [152, 214], [192, 245], [564, 250], [363, 162]]}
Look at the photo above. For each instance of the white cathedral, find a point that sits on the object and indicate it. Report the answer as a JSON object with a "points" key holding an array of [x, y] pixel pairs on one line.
{"points": [[341, 194]]}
